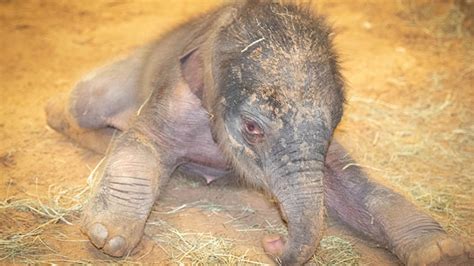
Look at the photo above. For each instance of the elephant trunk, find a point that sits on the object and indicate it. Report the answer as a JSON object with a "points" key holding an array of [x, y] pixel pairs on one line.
{"points": [[301, 200]]}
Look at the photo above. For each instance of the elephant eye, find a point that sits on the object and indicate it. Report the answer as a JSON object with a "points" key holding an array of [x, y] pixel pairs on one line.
{"points": [[252, 131]]}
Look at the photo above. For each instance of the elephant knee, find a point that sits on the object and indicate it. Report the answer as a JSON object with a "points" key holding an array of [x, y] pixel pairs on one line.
{"points": [[84, 106]]}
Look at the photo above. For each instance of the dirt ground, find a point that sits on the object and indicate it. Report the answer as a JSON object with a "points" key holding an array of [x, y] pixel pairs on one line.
{"points": [[409, 122]]}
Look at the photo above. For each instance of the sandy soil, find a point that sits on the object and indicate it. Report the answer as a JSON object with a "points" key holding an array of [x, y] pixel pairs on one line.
{"points": [[409, 121]]}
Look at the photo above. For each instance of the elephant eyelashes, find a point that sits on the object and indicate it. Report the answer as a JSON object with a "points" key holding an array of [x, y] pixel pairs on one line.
{"points": [[252, 131]]}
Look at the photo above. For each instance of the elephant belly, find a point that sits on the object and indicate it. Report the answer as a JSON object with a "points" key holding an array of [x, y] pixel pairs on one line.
{"points": [[188, 135], [209, 173]]}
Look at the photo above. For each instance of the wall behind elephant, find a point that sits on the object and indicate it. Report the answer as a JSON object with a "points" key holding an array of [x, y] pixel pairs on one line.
{"points": [[408, 121]]}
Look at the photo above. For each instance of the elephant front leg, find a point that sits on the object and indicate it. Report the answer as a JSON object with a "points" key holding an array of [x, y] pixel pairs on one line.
{"points": [[130, 177], [387, 217]]}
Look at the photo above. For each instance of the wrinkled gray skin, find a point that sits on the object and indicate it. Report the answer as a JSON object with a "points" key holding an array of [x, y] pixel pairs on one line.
{"points": [[252, 90]]}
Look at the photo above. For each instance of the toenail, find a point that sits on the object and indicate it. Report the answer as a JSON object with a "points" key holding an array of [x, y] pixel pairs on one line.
{"points": [[98, 234], [116, 244], [451, 248]]}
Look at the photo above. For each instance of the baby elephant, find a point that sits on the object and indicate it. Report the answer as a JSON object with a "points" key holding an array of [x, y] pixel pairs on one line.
{"points": [[251, 90]]}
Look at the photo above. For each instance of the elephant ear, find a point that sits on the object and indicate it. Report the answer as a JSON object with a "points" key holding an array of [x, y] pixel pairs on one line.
{"points": [[192, 69]]}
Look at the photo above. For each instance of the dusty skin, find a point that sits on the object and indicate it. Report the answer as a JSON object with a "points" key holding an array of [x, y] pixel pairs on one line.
{"points": [[408, 120]]}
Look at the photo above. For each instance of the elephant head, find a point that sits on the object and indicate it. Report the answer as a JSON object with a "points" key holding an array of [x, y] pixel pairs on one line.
{"points": [[277, 97]]}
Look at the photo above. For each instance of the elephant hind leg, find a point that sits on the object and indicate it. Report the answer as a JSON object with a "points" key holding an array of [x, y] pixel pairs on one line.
{"points": [[60, 119], [386, 216], [110, 95], [101, 104]]}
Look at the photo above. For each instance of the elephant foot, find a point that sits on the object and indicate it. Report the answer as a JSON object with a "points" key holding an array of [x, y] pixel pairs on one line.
{"points": [[112, 233], [440, 249], [56, 113]]}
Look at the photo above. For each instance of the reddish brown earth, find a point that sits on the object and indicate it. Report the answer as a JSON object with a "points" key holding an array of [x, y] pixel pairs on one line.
{"points": [[409, 119]]}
